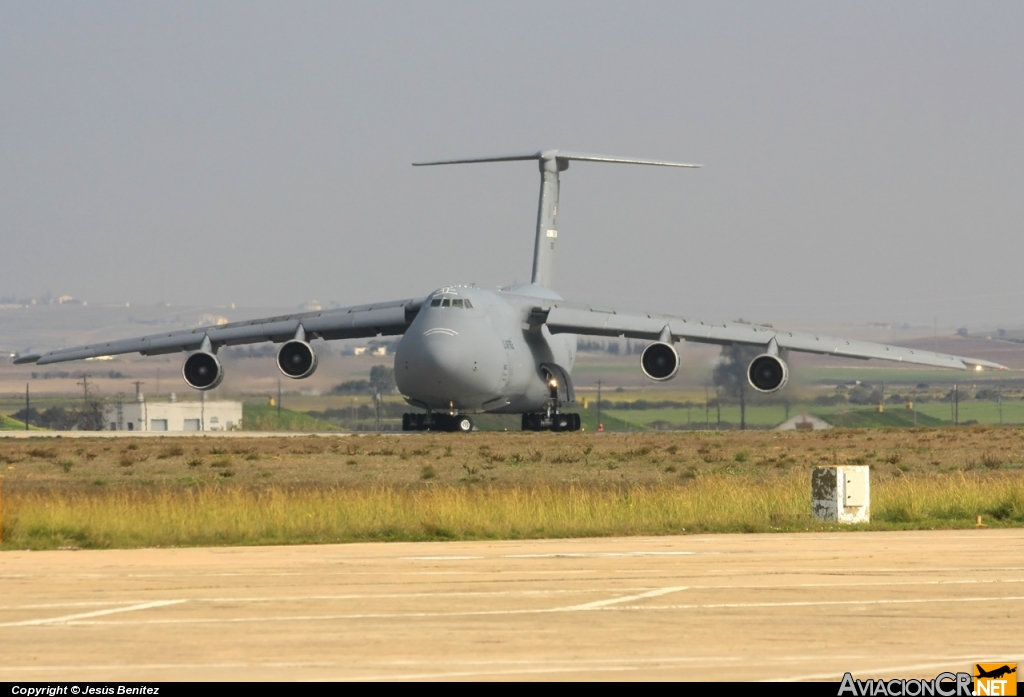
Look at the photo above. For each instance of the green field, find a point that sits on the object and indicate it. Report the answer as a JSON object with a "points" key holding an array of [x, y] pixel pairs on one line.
{"points": [[9, 424], [929, 414], [261, 417]]}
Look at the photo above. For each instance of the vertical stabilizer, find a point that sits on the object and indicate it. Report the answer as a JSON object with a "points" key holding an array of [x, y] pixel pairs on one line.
{"points": [[547, 221], [551, 163]]}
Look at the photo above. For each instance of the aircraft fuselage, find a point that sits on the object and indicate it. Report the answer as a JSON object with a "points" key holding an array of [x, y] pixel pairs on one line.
{"points": [[476, 350]]}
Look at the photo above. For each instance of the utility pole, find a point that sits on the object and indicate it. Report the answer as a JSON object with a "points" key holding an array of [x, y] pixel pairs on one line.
{"points": [[27, 408], [376, 403], [707, 410], [956, 405], [999, 401], [599, 404], [279, 403], [85, 400], [718, 407]]}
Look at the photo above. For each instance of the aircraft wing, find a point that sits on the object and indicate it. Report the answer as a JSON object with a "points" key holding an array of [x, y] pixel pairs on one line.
{"points": [[575, 318], [386, 319]]}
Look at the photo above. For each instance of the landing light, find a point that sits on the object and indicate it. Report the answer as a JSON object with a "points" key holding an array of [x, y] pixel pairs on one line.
{"points": [[552, 383], [978, 368]]}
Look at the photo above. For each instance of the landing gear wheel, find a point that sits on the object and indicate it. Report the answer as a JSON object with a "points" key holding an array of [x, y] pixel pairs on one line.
{"points": [[576, 422], [462, 424], [406, 422]]}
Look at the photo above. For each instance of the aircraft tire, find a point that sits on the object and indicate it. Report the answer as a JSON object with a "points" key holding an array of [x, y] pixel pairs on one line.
{"points": [[576, 422], [406, 422], [462, 424]]}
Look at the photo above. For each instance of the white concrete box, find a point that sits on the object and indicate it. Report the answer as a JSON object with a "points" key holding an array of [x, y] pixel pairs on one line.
{"points": [[841, 494]]}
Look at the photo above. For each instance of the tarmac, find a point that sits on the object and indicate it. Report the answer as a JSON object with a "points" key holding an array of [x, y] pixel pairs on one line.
{"points": [[704, 607], [190, 434]]}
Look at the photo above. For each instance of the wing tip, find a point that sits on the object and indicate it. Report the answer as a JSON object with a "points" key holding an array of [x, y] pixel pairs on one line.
{"points": [[23, 360]]}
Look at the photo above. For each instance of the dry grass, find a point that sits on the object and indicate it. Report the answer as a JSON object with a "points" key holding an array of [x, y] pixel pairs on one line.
{"points": [[107, 493], [650, 459]]}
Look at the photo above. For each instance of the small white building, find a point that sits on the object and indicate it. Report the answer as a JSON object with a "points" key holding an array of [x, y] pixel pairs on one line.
{"points": [[140, 415], [803, 422]]}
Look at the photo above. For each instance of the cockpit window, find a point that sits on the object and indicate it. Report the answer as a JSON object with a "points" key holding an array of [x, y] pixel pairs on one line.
{"points": [[469, 304], [446, 302], [436, 302], [457, 302]]}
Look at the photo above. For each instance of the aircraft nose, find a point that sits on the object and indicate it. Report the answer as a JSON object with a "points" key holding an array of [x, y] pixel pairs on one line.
{"points": [[442, 355], [442, 367]]}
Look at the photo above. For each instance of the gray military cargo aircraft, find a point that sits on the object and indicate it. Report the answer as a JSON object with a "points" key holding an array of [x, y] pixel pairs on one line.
{"points": [[467, 350]]}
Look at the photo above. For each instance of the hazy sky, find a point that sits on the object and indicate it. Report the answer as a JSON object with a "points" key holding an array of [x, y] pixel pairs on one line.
{"points": [[863, 161]]}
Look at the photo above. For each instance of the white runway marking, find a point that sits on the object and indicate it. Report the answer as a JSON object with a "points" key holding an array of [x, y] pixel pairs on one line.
{"points": [[597, 604], [820, 603], [54, 606], [167, 666], [865, 673], [83, 615], [477, 673], [349, 596], [83, 619], [597, 555], [615, 604], [440, 558], [514, 593]]}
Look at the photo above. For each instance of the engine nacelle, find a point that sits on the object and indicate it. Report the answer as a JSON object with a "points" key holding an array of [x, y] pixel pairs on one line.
{"points": [[767, 373], [296, 359], [202, 371], [660, 361]]}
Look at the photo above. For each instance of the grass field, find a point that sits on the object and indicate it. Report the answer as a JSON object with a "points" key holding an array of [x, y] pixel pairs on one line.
{"points": [[261, 417], [195, 491]]}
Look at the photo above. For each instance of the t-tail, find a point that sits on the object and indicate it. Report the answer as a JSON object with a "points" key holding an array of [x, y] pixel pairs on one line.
{"points": [[551, 163]]}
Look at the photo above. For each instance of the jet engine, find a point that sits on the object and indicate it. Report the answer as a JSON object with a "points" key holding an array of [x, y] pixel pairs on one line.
{"points": [[296, 359], [660, 361], [767, 373], [202, 371]]}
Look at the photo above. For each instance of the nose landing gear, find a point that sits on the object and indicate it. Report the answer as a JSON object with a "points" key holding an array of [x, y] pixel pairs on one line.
{"points": [[551, 422], [437, 422]]}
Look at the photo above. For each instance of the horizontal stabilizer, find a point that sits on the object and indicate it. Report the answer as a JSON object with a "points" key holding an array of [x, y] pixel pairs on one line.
{"points": [[556, 154], [551, 163]]}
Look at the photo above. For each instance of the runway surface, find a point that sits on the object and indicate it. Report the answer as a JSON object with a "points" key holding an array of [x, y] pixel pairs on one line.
{"points": [[732, 607]]}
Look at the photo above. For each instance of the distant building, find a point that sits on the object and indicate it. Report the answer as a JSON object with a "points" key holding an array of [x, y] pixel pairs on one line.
{"points": [[803, 422], [140, 415]]}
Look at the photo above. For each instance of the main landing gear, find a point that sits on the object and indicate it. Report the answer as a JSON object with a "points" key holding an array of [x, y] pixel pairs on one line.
{"points": [[553, 422], [459, 423], [551, 419]]}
